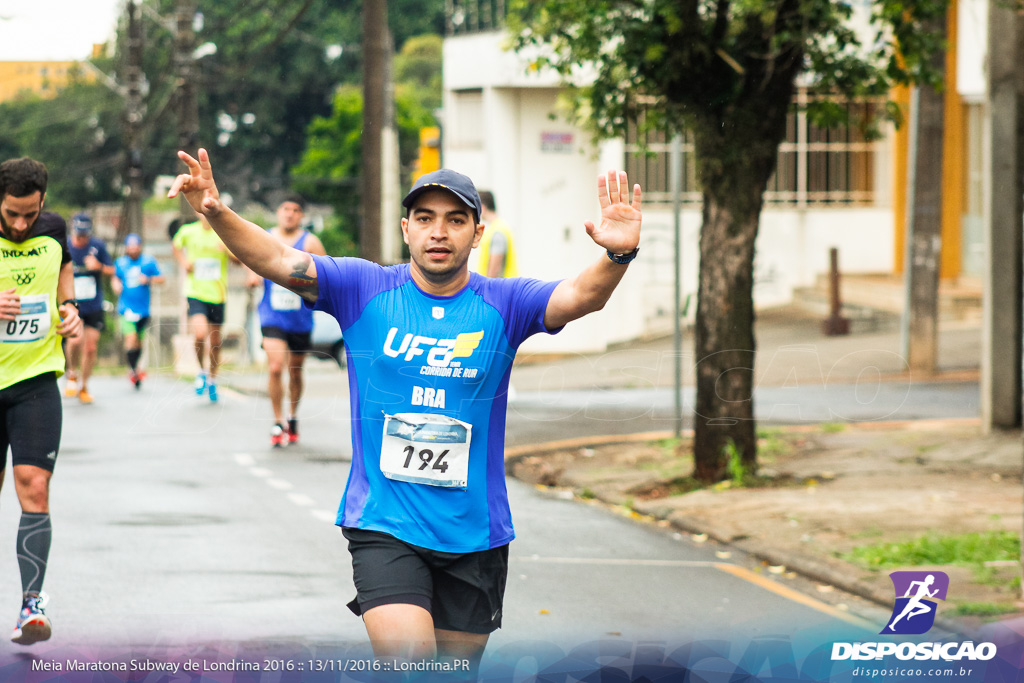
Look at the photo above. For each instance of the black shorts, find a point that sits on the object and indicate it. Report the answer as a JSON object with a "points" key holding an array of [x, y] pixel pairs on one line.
{"points": [[214, 312], [30, 422], [298, 342], [462, 591], [96, 320]]}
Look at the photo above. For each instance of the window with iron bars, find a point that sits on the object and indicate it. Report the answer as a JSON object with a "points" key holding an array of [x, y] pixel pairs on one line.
{"points": [[474, 16], [816, 166]]}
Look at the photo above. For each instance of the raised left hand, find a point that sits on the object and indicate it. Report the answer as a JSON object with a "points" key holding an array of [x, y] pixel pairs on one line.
{"points": [[619, 231]]}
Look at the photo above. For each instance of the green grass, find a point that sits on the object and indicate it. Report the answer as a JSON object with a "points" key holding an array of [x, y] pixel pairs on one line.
{"points": [[771, 444], [668, 447], [971, 550], [832, 427], [735, 466]]}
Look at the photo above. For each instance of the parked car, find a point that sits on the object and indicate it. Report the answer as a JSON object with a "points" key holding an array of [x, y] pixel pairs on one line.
{"points": [[326, 339]]}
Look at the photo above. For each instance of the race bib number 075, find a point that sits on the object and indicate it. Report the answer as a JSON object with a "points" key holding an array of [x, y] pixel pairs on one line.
{"points": [[31, 324], [426, 449]]}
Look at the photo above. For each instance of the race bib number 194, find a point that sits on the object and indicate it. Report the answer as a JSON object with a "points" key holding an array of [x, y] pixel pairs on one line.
{"points": [[426, 449]]}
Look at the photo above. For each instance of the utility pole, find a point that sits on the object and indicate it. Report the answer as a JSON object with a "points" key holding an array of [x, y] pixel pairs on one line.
{"points": [[1002, 325], [188, 104], [924, 229], [375, 59], [131, 210], [390, 167]]}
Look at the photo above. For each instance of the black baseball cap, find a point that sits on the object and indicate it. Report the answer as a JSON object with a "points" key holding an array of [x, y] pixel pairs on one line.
{"points": [[446, 179]]}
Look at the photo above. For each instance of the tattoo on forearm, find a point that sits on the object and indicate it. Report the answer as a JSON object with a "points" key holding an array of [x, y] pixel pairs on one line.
{"points": [[299, 280]]}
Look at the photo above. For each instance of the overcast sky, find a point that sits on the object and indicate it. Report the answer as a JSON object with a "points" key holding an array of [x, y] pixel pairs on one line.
{"points": [[54, 29]]}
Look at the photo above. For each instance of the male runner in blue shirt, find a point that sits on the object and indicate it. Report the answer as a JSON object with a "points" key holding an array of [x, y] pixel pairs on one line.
{"points": [[91, 262], [286, 324], [134, 273], [430, 348]]}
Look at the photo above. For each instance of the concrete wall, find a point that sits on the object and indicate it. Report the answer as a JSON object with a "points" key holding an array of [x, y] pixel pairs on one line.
{"points": [[972, 48]]}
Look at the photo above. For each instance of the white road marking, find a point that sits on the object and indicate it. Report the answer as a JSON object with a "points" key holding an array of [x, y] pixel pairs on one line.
{"points": [[301, 499], [324, 516], [245, 460], [280, 484], [260, 472]]}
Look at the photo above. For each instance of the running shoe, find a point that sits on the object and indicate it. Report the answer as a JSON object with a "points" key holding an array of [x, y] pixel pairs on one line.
{"points": [[84, 396], [33, 625], [278, 436], [293, 431], [133, 377], [212, 389], [71, 387], [200, 383]]}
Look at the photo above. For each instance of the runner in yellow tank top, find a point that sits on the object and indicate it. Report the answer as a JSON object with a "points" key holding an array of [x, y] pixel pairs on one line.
{"points": [[37, 308], [204, 258]]}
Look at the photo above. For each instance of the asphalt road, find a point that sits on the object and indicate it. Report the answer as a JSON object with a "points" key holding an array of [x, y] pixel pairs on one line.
{"points": [[178, 530]]}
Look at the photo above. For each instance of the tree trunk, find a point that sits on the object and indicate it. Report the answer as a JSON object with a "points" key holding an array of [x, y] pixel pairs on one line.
{"points": [[736, 153], [924, 230], [724, 425]]}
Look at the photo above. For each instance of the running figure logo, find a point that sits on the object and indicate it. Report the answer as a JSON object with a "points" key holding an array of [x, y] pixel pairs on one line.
{"points": [[916, 592]]}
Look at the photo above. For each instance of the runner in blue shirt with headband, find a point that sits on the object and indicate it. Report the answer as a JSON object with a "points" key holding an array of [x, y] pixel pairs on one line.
{"points": [[430, 349]]}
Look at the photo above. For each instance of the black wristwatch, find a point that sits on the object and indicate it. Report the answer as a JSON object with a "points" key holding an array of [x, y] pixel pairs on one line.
{"points": [[624, 258], [73, 302]]}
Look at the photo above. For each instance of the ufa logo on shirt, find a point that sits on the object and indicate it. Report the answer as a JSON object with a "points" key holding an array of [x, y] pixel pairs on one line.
{"points": [[439, 352]]}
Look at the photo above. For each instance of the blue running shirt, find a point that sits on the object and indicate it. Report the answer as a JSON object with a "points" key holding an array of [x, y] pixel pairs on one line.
{"points": [[134, 300], [432, 371]]}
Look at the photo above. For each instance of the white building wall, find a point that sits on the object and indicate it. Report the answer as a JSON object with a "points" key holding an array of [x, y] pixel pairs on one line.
{"points": [[543, 172], [972, 47]]}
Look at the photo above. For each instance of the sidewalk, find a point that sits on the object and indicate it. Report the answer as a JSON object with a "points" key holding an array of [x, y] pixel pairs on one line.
{"points": [[825, 488], [823, 493]]}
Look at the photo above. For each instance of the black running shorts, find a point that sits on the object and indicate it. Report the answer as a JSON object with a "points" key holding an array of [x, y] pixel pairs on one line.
{"points": [[462, 591], [214, 313], [97, 320], [298, 342], [30, 422]]}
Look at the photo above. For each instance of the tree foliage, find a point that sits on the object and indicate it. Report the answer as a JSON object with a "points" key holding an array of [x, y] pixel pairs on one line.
{"points": [[725, 71], [330, 168], [276, 67], [77, 136]]}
